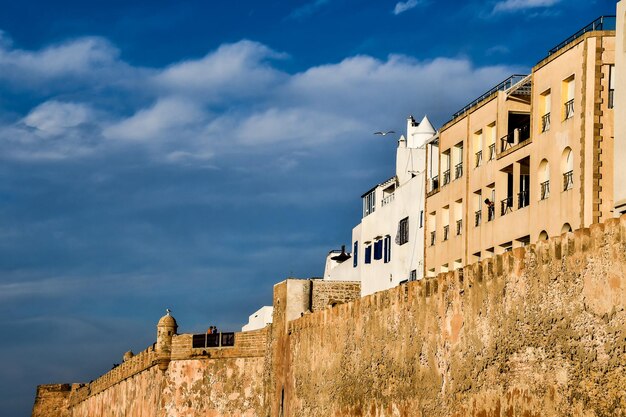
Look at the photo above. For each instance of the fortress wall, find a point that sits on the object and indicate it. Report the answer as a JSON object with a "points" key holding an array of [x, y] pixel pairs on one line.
{"points": [[52, 400], [327, 293], [540, 331], [247, 344]]}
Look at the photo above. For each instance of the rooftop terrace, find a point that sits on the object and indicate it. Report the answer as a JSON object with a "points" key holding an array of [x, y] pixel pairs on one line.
{"points": [[601, 23]]}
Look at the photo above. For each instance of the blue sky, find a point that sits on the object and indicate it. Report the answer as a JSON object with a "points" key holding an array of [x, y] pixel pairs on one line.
{"points": [[191, 154]]}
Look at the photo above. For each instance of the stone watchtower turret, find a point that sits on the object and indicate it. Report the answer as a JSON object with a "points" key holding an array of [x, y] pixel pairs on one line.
{"points": [[166, 329]]}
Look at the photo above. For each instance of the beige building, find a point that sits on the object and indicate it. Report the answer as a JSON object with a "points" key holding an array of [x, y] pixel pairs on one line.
{"points": [[618, 83], [531, 158]]}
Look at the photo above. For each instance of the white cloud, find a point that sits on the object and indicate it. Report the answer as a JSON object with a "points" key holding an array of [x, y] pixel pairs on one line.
{"points": [[515, 5], [53, 118], [307, 10], [403, 6]]}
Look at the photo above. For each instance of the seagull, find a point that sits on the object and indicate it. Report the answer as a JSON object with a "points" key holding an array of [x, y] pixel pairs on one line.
{"points": [[384, 133], [168, 311]]}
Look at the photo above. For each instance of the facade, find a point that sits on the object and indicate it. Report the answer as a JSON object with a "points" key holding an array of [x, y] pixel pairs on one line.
{"points": [[530, 159], [388, 243], [618, 83], [259, 319]]}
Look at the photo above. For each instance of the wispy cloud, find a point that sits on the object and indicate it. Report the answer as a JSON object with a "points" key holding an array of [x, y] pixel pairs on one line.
{"points": [[307, 10], [516, 5], [403, 6]]}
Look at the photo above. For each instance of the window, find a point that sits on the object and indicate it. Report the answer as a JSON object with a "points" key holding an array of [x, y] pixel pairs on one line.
{"points": [[369, 203], [567, 168], [492, 141], [368, 254], [355, 255], [413, 275], [387, 252], [544, 180], [403, 231], [568, 98], [421, 219], [458, 167], [478, 148], [546, 106], [378, 249], [445, 164]]}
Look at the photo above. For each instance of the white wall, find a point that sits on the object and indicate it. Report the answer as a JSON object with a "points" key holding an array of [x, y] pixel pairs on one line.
{"points": [[259, 319]]}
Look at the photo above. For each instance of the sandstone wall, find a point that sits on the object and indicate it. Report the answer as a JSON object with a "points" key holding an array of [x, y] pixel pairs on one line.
{"points": [[540, 331], [329, 293], [52, 400]]}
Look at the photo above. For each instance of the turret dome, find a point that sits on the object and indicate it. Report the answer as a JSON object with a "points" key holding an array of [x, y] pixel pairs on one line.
{"points": [[167, 321]]}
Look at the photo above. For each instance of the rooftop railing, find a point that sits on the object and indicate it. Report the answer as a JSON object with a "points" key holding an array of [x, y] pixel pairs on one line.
{"points": [[504, 85], [601, 23]]}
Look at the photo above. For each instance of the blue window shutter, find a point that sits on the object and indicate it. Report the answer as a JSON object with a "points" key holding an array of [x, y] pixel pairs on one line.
{"points": [[368, 254], [355, 254], [378, 249]]}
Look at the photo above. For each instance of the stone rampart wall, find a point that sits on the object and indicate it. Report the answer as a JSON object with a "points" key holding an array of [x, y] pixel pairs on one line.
{"points": [[247, 344], [329, 293], [540, 331]]}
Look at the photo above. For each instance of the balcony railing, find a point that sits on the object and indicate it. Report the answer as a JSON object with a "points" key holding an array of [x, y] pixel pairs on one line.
{"points": [[446, 232], [491, 212], [601, 23], [458, 170], [504, 85], [479, 158], [522, 199], [492, 151], [568, 180], [478, 214], [545, 189], [434, 183], [433, 238], [545, 122], [569, 109], [211, 340], [518, 135], [459, 227], [506, 206], [446, 177], [387, 200]]}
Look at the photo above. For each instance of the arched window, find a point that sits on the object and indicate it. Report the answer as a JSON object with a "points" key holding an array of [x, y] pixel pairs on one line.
{"points": [[567, 168], [566, 228], [544, 179], [543, 235]]}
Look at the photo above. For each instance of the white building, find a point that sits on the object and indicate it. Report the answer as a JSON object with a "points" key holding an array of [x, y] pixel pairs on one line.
{"points": [[259, 319], [388, 244]]}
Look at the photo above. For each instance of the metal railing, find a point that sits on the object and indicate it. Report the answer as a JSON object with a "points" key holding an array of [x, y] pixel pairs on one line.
{"points": [[213, 340], [545, 189], [506, 205], [601, 23], [492, 151], [504, 85], [569, 109], [479, 158], [446, 177], [459, 227], [433, 238], [491, 213], [458, 170], [478, 214], [434, 183], [545, 122], [568, 180], [522, 199], [446, 232], [517, 135], [387, 200]]}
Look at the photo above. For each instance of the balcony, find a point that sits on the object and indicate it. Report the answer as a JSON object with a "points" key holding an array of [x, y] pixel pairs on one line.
{"points": [[545, 189], [434, 183], [446, 177], [545, 122], [478, 159], [569, 109], [523, 199], [388, 199], [477, 217], [491, 212], [601, 23], [506, 206], [516, 136], [458, 171], [459, 227], [446, 232], [492, 151], [568, 180], [503, 86]]}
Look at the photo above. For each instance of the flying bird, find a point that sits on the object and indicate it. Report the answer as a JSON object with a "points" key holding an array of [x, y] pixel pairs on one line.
{"points": [[384, 133]]}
